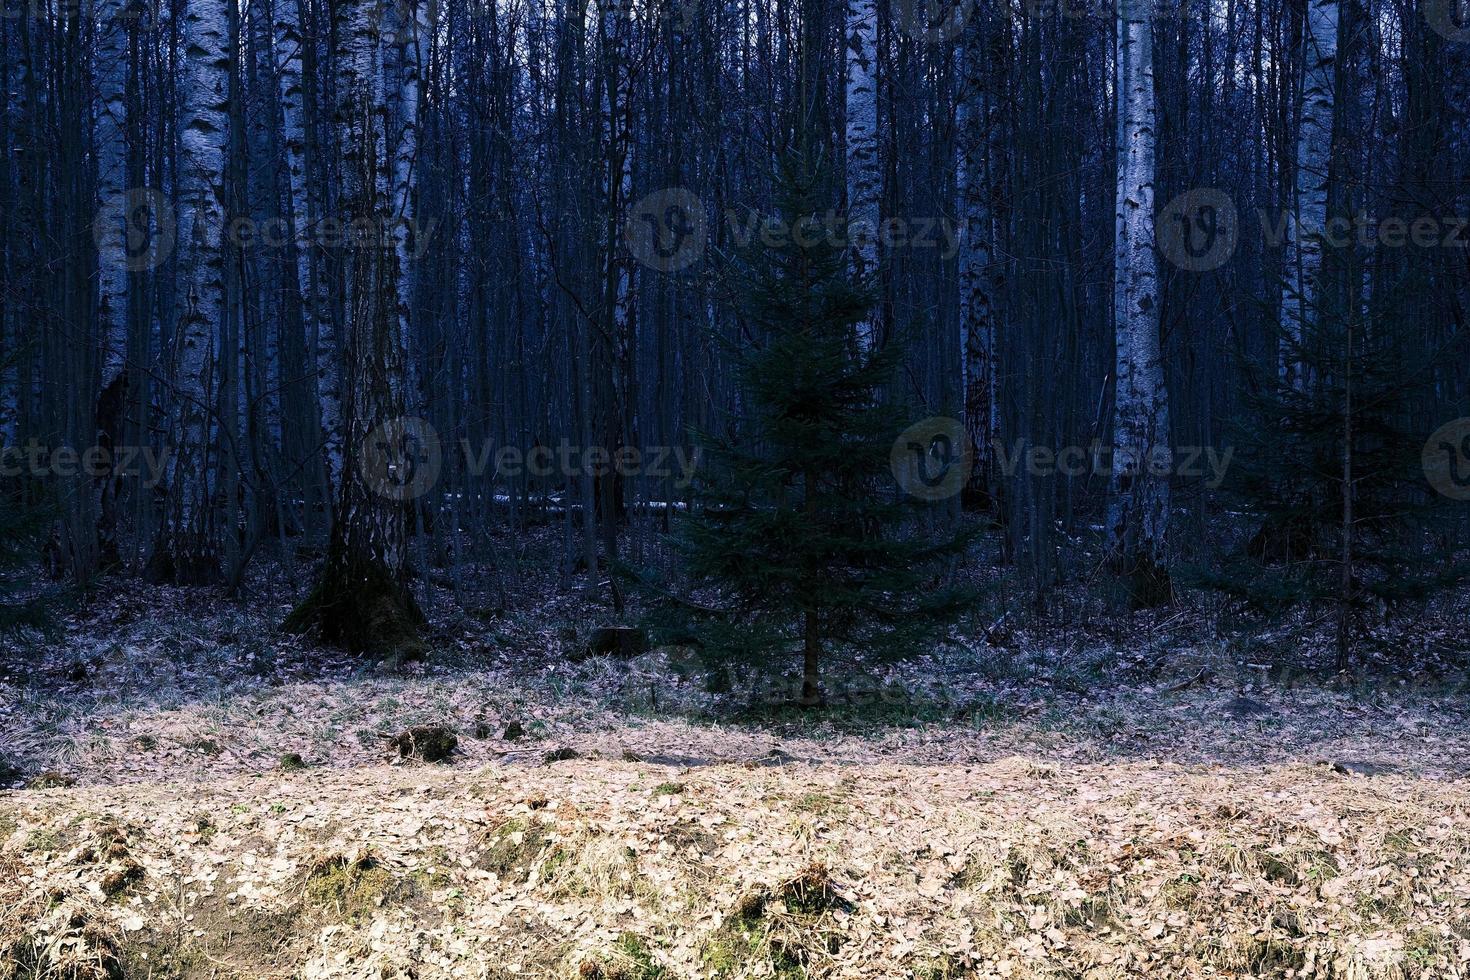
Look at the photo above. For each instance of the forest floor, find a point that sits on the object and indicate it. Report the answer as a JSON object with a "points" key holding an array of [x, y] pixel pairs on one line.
{"points": [[209, 798]]}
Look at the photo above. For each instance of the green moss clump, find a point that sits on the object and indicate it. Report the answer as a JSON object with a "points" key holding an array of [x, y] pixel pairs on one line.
{"points": [[512, 848], [41, 841], [629, 959], [350, 887]]}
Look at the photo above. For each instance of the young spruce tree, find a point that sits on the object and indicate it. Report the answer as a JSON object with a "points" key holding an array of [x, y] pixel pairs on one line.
{"points": [[800, 529], [1327, 464]]}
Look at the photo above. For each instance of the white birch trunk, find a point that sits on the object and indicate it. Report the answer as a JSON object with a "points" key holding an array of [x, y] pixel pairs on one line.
{"points": [[1307, 209], [1139, 517], [406, 59], [362, 600], [203, 133], [110, 140], [863, 177], [323, 345], [976, 300]]}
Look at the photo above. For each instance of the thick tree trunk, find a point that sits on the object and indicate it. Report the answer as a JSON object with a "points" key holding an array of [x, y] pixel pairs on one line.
{"points": [[811, 662], [363, 601], [110, 142], [1138, 520]]}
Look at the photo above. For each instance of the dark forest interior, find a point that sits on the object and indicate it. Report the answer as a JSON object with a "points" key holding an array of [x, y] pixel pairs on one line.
{"points": [[734, 488]]}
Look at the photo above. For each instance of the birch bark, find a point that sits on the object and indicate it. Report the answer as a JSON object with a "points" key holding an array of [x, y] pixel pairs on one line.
{"points": [[363, 601], [188, 551], [1139, 514], [863, 177], [303, 217], [111, 147], [1307, 210], [976, 308]]}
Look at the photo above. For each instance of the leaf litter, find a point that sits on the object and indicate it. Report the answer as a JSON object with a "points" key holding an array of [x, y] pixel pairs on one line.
{"points": [[601, 819]]}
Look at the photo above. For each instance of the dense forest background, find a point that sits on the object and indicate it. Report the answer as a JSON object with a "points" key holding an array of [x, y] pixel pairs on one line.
{"points": [[368, 282], [646, 489]]}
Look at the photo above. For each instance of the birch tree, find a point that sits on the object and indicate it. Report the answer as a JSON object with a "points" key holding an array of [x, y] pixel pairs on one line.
{"points": [[976, 312], [864, 181], [363, 601], [405, 58], [1138, 518], [111, 146], [1306, 217], [188, 550], [111, 150], [322, 420]]}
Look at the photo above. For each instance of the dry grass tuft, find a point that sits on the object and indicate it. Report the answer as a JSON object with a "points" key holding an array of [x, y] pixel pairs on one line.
{"points": [[49, 934]]}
